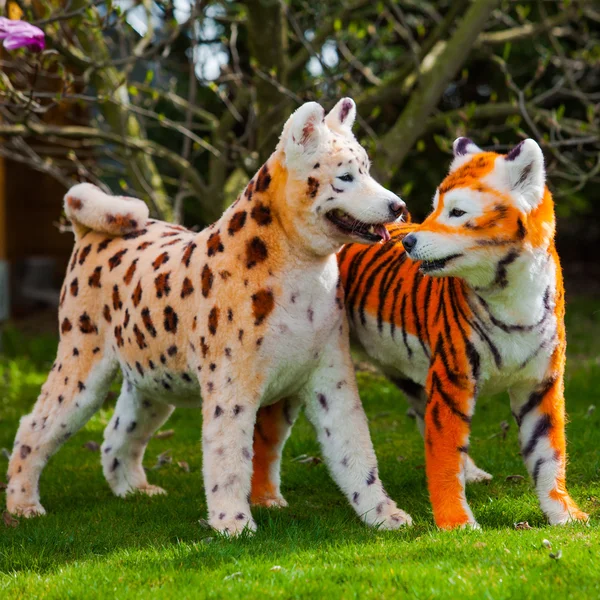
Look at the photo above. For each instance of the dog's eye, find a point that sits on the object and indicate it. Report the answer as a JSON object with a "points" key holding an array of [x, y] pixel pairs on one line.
{"points": [[456, 212], [346, 177]]}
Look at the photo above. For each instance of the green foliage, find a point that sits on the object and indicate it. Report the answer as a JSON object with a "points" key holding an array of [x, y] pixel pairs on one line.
{"points": [[93, 545]]}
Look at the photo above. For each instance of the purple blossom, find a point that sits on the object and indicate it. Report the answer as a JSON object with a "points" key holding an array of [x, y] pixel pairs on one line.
{"points": [[20, 34]]}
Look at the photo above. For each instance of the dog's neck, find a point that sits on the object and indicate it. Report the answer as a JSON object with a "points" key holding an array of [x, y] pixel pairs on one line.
{"points": [[523, 287], [263, 211]]}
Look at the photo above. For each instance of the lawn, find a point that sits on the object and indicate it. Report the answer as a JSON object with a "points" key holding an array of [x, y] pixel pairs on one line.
{"points": [[92, 544]]}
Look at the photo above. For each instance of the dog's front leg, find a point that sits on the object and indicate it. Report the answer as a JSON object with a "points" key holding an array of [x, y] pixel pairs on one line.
{"points": [[334, 408], [447, 430], [227, 431]]}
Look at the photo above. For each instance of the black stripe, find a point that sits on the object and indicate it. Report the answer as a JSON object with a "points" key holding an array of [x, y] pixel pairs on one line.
{"points": [[542, 428], [535, 399], [442, 290], [342, 254], [448, 401], [426, 302], [536, 469], [387, 280], [478, 328], [501, 278], [409, 387], [351, 281], [472, 354], [435, 415], [392, 319], [354, 290], [440, 352], [448, 333], [415, 311], [510, 328], [402, 324], [369, 284]]}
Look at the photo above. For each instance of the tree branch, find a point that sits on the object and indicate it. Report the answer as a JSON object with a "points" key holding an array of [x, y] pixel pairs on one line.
{"points": [[396, 144], [91, 136]]}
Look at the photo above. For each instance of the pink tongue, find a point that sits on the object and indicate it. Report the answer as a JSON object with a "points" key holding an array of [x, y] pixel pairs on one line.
{"points": [[383, 232]]}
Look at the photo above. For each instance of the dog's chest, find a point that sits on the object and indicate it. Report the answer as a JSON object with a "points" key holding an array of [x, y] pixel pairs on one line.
{"points": [[302, 324], [521, 355]]}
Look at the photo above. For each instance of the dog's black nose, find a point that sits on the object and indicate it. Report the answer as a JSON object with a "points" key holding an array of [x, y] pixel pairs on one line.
{"points": [[397, 207], [409, 242]]}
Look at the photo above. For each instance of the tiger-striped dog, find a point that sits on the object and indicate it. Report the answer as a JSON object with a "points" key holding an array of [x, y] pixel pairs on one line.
{"points": [[471, 301], [244, 319]]}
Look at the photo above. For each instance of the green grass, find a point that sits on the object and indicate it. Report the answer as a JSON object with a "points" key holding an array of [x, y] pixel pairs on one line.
{"points": [[92, 544]]}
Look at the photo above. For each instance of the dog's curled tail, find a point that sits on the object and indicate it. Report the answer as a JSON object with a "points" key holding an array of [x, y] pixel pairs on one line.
{"points": [[88, 207]]}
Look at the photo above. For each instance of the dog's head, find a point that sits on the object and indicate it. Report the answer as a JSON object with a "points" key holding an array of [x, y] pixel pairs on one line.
{"points": [[487, 211], [331, 198]]}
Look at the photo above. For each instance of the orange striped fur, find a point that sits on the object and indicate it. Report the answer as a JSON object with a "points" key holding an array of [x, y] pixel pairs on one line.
{"points": [[472, 301]]}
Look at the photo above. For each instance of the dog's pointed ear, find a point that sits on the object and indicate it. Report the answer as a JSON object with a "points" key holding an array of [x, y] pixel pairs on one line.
{"points": [[463, 148], [303, 134], [526, 173], [341, 117]]}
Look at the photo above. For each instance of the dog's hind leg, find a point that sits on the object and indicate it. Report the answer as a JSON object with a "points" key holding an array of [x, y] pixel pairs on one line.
{"points": [[125, 439], [272, 429], [73, 392], [417, 398]]}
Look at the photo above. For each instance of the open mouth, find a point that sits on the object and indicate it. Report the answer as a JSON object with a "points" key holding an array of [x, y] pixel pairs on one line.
{"points": [[372, 232], [437, 264]]}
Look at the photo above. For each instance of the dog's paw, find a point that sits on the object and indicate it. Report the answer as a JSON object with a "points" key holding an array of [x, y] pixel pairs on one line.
{"points": [[234, 525], [395, 520], [270, 502], [150, 490], [387, 516], [448, 525], [473, 474], [34, 509], [573, 516]]}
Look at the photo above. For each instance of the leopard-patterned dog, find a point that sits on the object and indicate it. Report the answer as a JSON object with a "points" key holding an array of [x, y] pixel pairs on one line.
{"points": [[247, 314]]}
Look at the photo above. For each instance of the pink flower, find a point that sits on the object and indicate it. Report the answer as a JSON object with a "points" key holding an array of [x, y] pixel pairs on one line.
{"points": [[20, 34]]}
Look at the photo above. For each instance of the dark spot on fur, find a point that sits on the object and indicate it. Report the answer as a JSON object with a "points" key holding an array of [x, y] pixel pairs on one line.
{"points": [[115, 260], [140, 338], [136, 297], [313, 187], [84, 254], [237, 222], [161, 283], [214, 244], [94, 278], [187, 255], [171, 319], [263, 181], [116, 299], [323, 401], [187, 288], [263, 303], [130, 272], [207, 280], [86, 325], [160, 260], [256, 252], [261, 213], [213, 320], [372, 476]]}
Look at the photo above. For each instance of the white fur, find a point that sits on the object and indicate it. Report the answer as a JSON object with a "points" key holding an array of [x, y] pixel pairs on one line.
{"points": [[96, 204], [302, 135], [461, 159]]}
